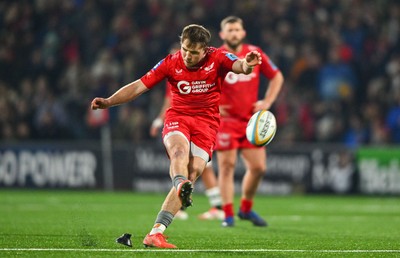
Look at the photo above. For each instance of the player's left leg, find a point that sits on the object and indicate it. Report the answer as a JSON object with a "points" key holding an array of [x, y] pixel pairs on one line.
{"points": [[171, 206], [255, 160], [188, 160], [178, 149]]}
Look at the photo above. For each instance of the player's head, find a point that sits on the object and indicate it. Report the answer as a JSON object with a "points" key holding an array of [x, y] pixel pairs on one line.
{"points": [[194, 43], [232, 31]]}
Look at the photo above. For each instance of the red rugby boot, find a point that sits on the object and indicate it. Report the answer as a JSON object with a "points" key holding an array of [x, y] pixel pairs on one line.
{"points": [[157, 240]]}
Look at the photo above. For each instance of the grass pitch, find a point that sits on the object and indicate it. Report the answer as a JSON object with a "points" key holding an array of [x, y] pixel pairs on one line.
{"points": [[85, 224]]}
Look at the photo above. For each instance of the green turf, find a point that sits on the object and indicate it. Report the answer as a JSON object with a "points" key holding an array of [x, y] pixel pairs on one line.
{"points": [[300, 226]]}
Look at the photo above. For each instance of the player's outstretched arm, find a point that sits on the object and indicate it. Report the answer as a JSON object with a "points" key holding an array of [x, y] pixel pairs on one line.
{"points": [[247, 64], [125, 94]]}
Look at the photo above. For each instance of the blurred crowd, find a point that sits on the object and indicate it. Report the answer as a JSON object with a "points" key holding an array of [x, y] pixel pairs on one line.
{"points": [[340, 59]]}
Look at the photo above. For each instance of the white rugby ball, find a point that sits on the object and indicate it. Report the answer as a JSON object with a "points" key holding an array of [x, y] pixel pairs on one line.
{"points": [[261, 128]]}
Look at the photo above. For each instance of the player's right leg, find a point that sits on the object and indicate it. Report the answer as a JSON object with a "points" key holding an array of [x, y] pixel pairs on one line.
{"points": [[226, 170]]}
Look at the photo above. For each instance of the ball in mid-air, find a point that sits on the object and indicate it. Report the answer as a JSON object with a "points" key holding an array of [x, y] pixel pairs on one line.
{"points": [[261, 128]]}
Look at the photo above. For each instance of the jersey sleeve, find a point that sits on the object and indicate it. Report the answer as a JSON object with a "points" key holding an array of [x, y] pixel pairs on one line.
{"points": [[156, 74], [267, 67], [226, 60]]}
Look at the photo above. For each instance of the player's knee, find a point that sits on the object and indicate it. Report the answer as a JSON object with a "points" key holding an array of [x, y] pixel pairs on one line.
{"points": [[178, 152], [259, 169], [227, 168]]}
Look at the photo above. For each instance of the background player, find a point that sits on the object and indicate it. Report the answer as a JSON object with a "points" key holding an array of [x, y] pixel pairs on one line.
{"points": [[195, 73], [238, 103]]}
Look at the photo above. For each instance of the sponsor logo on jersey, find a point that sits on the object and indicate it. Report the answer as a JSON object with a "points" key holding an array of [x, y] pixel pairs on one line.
{"points": [[231, 56], [209, 68], [158, 64], [186, 87], [178, 71]]}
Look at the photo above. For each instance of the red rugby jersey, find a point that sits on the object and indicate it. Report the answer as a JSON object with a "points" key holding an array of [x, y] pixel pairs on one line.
{"points": [[197, 90], [240, 91]]}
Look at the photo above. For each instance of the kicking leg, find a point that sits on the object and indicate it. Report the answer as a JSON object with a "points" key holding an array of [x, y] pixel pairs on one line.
{"points": [[177, 147]]}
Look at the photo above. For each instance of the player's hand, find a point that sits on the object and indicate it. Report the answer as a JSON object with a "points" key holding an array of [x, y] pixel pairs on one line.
{"points": [[223, 110], [260, 105], [253, 58], [100, 103], [155, 127]]}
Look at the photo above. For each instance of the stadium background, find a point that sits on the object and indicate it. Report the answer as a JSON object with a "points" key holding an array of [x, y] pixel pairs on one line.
{"points": [[338, 114]]}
